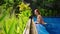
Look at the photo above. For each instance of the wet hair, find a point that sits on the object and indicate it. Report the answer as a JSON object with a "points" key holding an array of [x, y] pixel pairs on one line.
{"points": [[37, 11]]}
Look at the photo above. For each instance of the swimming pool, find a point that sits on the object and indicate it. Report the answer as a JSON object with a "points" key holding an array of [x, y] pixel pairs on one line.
{"points": [[53, 26]]}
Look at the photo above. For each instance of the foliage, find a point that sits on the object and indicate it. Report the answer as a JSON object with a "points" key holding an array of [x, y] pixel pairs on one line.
{"points": [[24, 6], [24, 16], [9, 23]]}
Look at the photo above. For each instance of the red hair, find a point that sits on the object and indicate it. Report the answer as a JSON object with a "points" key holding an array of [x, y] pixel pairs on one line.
{"points": [[37, 11]]}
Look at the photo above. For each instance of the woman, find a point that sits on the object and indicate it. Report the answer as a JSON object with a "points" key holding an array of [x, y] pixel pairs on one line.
{"points": [[39, 23]]}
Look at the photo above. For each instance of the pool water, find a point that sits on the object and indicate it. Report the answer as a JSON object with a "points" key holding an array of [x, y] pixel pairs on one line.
{"points": [[53, 25]]}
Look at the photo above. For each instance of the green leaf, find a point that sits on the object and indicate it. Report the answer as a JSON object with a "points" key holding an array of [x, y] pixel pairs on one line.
{"points": [[3, 16], [12, 28], [4, 27]]}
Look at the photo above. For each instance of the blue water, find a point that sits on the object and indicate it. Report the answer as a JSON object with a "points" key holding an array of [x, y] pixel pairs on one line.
{"points": [[52, 26]]}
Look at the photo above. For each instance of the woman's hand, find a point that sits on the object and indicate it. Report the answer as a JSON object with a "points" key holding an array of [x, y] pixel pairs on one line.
{"points": [[45, 23], [38, 23]]}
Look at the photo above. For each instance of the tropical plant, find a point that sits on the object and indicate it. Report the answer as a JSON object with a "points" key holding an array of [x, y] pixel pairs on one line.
{"points": [[10, 24]]}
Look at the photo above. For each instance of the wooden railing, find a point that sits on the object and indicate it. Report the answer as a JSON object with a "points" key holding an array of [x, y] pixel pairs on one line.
{"points": [[30, 28]]}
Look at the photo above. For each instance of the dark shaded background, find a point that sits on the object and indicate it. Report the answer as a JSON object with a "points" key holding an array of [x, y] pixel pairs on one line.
{"points": [[51, 8]]}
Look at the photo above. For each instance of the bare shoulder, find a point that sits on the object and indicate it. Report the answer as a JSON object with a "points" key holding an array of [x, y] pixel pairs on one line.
{"points": [[39, 15]]}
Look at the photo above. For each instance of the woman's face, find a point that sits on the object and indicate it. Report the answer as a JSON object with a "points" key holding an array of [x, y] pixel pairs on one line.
{"points": [[35, 12]]}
